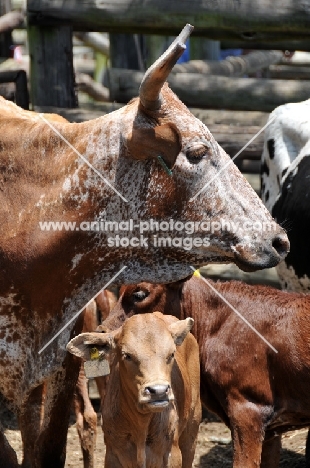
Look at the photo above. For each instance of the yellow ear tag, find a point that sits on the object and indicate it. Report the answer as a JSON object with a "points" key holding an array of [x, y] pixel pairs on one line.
{"points": [[97, 366], [94, 353], [197, 274]]}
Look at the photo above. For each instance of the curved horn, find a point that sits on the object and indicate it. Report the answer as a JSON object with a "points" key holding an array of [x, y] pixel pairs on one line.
{"points": [[157, 74]]}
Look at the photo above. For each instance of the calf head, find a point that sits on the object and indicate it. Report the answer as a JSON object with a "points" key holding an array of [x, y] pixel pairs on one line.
{"points": [[144, 349]]}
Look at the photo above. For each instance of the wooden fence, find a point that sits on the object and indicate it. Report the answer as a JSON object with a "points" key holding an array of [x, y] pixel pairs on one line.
{"points": [[51, 23]]}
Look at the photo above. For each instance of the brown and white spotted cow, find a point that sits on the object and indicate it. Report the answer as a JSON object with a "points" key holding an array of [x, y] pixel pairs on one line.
{"points": [[48, 272], [152, 410]]}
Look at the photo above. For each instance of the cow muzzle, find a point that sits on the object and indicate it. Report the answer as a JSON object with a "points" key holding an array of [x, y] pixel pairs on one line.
{"points": [[267, 254]]}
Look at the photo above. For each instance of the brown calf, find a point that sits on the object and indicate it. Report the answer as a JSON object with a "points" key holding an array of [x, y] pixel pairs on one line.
{"points": [[151, 411], [257, 392]]}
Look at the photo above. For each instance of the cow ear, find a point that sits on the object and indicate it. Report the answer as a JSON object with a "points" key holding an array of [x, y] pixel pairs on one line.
{"points": [[83, 344], [149, 143], [180, 329]]}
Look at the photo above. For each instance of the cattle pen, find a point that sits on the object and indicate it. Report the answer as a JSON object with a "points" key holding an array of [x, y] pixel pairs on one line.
{"points": [[232, 97]]}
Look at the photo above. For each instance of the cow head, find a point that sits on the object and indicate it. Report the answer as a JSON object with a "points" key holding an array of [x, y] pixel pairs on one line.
{"points": [[164, 158], [144, 349]]}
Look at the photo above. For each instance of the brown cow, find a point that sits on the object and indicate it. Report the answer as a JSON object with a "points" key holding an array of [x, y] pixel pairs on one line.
{"points": [[257, 392], [50, 176], [151, 411]]}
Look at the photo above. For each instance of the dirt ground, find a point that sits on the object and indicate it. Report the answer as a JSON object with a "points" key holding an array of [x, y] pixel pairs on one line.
{"points": [[213, 447]]}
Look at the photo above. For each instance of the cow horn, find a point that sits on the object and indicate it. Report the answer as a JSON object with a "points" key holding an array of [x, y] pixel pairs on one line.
{"points": [[157, 74]]}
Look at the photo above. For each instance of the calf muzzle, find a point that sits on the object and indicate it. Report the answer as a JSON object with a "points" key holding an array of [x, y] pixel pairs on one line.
{"points": [[157, 396]]}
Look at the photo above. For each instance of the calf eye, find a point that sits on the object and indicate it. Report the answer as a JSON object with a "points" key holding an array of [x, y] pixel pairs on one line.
{"points": [[196, 152], [169, 358], [127, 356], [138, 296]]}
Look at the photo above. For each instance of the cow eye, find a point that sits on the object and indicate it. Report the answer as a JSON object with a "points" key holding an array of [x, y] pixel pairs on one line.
{"points": [[196, 152], [139, 296]]}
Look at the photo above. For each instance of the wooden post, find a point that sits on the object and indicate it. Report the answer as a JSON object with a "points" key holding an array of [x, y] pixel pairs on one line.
{"points": [[205, 49], [125, 51], [51, 66], [6, 37], [18, 77], [155, 46]]}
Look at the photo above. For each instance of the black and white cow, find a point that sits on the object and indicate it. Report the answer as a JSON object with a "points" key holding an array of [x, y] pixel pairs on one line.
{"points": [[285, 178]]}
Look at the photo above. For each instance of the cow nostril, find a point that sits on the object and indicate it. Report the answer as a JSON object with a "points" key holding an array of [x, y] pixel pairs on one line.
{"points": [[157, 390], [281, 244]]}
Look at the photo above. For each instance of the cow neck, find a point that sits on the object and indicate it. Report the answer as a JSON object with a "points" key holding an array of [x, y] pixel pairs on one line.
{"points": [[49, 182], [195, 297]]}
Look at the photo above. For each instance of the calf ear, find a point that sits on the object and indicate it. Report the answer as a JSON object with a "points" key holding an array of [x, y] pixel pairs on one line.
{"points": [[149, 143], [180, 329], [82, 344]]}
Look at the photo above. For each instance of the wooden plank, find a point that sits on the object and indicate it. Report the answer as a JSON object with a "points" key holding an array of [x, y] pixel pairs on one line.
{"points": [[220, 19], [227, 117], [216, 92], [299, 59], [95, 90], [232, 138], [288, 72], [98, 42], [11, 20], [232, 66], [284, 44], [51, 66]]}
